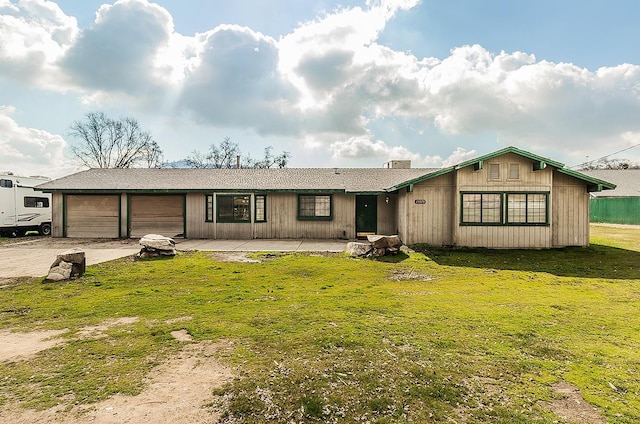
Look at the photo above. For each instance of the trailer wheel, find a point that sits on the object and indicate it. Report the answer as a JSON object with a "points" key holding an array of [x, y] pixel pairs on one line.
{"points": [[45, 229]]}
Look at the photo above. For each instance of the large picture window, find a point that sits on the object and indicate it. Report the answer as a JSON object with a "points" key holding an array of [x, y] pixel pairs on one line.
{"points": [[233, 208], [314, 206], [504, 208]]}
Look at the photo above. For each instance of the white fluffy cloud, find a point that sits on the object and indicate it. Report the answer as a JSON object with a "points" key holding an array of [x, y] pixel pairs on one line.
{"points": [[29, 150], [324, 82]]}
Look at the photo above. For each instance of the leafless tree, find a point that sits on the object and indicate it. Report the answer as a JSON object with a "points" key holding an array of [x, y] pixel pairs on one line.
{"points": [[605, 163], [102, 142], [226, 156]]}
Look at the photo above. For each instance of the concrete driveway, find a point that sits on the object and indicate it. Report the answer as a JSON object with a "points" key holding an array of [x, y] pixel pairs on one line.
{"points": [[32, 256]]}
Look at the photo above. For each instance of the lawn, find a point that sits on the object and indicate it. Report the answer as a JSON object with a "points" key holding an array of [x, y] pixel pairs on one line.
{"points": [[438, 335]]}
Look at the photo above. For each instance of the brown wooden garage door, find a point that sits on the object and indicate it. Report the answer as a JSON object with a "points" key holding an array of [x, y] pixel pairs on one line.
{"points": [[160, 214], [92, 216]]}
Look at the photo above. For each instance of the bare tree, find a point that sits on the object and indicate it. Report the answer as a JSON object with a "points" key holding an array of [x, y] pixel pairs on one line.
{"points": [[226, 156], [103, 142], [605, 163]]}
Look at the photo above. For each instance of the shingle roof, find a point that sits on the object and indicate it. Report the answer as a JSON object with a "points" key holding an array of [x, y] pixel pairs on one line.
{"points": [[627, 181], [350, 180]]}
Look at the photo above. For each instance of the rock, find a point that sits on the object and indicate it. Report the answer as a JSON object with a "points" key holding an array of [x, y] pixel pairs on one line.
{"points": [[71, 263], [62, 271], [157, 245], [384, 242], [158, 242], [356, 248]]}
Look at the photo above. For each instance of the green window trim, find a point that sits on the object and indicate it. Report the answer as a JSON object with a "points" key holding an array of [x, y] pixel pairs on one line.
{"points": [[315, 207], [493, 208], [233, 208], [260, 205]]}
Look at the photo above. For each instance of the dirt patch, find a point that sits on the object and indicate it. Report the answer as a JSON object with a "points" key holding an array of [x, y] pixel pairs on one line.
{"points": [[233, 257], [571, 405], [17, 346], [178, 392], [97, 331], [409, 275], [182, 335]]}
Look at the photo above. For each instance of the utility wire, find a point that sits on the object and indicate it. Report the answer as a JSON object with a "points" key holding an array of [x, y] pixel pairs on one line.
{"points": [[604, 157]]}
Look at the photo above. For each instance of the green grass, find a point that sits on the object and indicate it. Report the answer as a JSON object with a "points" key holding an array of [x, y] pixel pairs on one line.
{"points": [[436, 336]]}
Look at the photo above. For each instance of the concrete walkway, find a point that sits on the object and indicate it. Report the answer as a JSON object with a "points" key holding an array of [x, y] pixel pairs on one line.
{"points": [[263, 245]]}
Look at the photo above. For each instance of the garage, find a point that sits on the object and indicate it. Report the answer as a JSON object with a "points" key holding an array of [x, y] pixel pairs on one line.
{"points": [[156, 214], [92, 216]]}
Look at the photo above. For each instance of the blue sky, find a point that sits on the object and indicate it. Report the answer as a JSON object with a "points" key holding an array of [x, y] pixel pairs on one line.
{"points": [[351, 83]]}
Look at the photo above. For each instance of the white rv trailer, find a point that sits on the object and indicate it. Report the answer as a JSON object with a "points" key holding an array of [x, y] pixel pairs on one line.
{"points": [[22, 208]]}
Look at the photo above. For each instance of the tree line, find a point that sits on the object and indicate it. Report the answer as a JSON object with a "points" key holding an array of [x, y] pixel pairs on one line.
{"points": [[103, 142]]}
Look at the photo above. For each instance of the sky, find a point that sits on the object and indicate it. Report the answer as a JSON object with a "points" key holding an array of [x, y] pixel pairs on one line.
{"points": [[335, 84]]}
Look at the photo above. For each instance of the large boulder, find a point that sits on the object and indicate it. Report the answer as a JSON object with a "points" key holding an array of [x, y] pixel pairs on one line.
{"points": [[157, 245], [71, 263], [356, 248], [385, 242]]}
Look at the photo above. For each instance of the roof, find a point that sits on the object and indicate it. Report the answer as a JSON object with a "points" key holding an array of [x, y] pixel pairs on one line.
{"points": [[343, 180], [627, 181], [594, 184], [349, 180]]}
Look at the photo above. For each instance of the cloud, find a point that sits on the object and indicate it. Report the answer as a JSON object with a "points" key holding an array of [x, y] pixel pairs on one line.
{"points": [[26, 151], [325, 82], [33, 36], [118, 52]]}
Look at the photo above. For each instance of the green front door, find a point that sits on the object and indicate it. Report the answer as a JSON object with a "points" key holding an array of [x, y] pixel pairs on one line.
{"points": [[366, 215]]}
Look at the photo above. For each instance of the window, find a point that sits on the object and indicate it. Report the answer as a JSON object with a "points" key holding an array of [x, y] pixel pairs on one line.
{"points": [[314, 206], [36, 202], [233, 208], [6, 183], [209, 208], [481, 208], [514, 171], [527, 208], [494, 171], [504, 208], [261, 207]]}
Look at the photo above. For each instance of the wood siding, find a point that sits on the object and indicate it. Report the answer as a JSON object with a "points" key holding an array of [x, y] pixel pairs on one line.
{"points": [[156, 214], [92, 216], [570, 212], [282, 220], [388, 214], [57, 215], [503, 236], [426, 213]]}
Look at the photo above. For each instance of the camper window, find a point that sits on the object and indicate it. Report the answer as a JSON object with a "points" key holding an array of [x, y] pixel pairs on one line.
{"points": [[6, 183], [36, 202]]}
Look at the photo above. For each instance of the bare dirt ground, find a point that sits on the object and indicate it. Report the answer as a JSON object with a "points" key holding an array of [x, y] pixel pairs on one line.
{"points": [[177, 391], [32, 256], [571, 405]]}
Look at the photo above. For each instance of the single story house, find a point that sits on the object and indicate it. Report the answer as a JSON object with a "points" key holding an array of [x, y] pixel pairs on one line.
{"points": [[619, 206], [507, 199]]}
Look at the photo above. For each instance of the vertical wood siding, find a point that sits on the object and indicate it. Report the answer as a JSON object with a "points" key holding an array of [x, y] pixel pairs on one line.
{"points": [[387, 214], [429, 222], [57, 214], [570, 212]]}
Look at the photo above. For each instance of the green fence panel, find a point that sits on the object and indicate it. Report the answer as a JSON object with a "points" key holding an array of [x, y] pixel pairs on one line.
{"points": [[615, 210]]}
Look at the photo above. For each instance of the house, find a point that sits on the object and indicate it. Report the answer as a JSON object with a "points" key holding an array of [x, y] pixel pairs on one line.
{"points": [[506, 199], [619, 206]]}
